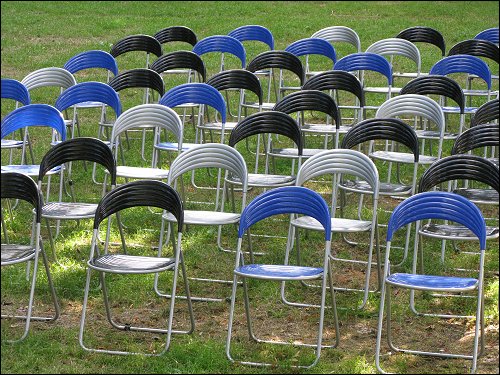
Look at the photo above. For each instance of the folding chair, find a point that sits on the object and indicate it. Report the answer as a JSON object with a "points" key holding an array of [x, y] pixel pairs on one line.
{"points": [[19, 186], [433, 205], [489, 34], [487, 113], [479, 136], [285, 200], [313, 47], [148, 193], [136, 43]]}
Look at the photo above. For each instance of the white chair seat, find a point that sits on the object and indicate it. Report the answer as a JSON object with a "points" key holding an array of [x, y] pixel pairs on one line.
{"points": [[206, 217], [69, 210], [138, 172], [11, 143], [402, 157], [124, 263], [454, 231], [265, 180], [338, 224], [384, 187], [12, 253]]}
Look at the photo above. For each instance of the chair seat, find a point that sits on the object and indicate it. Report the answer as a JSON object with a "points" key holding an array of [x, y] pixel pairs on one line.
{"points": [[382, 90], [433, 283], [265, 106], [279, 272], [218, 126], [338, 224], [173, 146], [205, 217], [385, 188], [433, 134], [480, 196], [319, 128], [28, 169], [402, 157], [467, 110], [264, 180], [124, 263], [292, 153], [69, 210], [89, 104], [455, 231], [138, 172], [12, 253], [12, 143]]}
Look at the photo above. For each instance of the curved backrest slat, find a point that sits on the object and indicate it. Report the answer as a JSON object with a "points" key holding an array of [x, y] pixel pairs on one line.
{"points": [[476, 47], [438, 85], [460, 167], [438, 205], [340, 161], [13, 89], [139, 42], [483, 135], [463, 64], [209, 155], [81, 148], [336, 80], [488, 112], [488, 34], [180, 60], [397, 46], [53, 76], [365, 61], [382, 128], [312, 46], [176, 34], [89, 91], [312, 100], [91, 59], [253, 32], [140, 77], [267, 122], [149, 193], [413, 104], [148, 116], [424, 34], [221, 43], [286, 200], [199, 93], [20, 186], [278, 59], [339, 34], [237, 79], [34, 115]]}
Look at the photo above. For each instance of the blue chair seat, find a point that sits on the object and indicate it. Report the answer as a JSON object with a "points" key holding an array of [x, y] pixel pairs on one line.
{"points": [[279, 272], [172, 146], [12, 143], [431, 282], [28, 169]]}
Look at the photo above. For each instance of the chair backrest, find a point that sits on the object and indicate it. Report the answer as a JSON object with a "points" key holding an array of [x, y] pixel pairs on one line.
{"points": [[139, 42], [148, 116], [53, 76], [413, 104], [273, 122], [92, 59], [13, 89], [34, 115], [460, 167], [312, 46], [140, 77], [336, 80], [463, 64], [81, 148], [365, 61], [486, 113], [339, 34], [89, 91], [286, 200], [253, 32], [484, 135], [199, 93], [278, 59], [438, 205], [340, 161], [180, 60], [20, 186], [382, 128], [424, 34], [176, 34], [489, 34], [476, 47], [397, 46], [312, 100], [438, 85], [223, 44], [150, 193], [237, 79]]}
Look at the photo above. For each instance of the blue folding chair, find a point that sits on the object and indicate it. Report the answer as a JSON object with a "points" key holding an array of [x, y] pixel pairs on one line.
{"points": [[223, 44], [433, 205], [489, 34], [285, 200], [312, 46]]}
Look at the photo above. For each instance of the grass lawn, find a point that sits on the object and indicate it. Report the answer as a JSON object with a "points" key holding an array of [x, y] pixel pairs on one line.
{"points": [[46, 34]]}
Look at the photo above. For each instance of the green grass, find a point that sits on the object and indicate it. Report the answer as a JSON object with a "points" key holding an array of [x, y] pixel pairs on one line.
{"points": [[42, 34]]}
